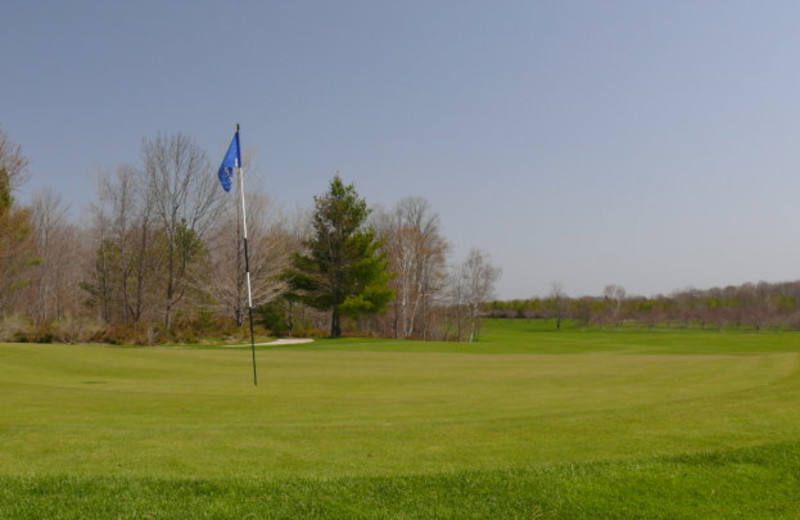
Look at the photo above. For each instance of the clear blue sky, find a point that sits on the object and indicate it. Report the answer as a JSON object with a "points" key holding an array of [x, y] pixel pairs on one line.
{"points": [[655, 145]]}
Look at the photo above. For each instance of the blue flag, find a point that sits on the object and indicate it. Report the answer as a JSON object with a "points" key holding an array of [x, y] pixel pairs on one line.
{"points": [[232, 160]]}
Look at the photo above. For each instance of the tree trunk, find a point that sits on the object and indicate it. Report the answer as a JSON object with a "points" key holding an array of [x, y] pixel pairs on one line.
{"points": [[336, 323], [291, 317]]}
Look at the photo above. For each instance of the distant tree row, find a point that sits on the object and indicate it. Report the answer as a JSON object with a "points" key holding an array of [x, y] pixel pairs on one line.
{"points": [[159, 257], [754, 306]]}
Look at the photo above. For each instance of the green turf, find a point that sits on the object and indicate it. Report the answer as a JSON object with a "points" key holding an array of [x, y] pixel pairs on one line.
{"points": [[528, 423], [745, 484]]}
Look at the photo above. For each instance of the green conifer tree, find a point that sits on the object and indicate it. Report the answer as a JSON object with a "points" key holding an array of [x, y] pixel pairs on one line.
{"points": [[344, 269]]}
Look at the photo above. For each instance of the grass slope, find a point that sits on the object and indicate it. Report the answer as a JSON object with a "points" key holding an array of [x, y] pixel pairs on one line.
{"points": [[526, 424]]}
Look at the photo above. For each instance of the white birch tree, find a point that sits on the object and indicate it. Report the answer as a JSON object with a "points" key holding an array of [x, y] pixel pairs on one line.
{"points": [[270, 250], [417, 252]]}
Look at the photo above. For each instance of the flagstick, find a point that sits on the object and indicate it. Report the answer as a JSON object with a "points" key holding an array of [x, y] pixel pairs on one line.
{"points": [[247, 267]]}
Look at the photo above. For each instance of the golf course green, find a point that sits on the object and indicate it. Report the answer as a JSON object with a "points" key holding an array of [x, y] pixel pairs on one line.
{"points": [[528, 422]]}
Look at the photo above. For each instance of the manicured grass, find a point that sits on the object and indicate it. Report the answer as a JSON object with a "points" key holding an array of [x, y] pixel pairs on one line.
{"points": [[745, 484], [527, 423]]}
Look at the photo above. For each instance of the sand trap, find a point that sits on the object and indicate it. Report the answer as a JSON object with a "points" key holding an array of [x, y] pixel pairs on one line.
{"points": [[282, 341], [289, 341]]}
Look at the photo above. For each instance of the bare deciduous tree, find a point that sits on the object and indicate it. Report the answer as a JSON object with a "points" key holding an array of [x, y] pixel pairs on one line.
{"points": [[123, 275], [186, 201], [52, 237], [614, 296], [270, 249], [559, 302], [417, 252], [471, 285]]}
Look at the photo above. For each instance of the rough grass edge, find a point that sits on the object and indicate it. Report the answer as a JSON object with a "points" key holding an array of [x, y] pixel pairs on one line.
{"points": [[754, 482]]}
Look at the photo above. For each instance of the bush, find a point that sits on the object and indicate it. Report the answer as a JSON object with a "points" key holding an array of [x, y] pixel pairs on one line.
{"points": [[74, 330], [16, 328], [126, 334], [273, 318]]}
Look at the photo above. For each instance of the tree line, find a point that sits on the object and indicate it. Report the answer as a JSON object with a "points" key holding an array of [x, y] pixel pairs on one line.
{"points": [[160, 258], [750, 305]]}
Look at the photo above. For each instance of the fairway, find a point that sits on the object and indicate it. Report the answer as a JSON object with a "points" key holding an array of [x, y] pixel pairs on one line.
{"points": [[522, 400]]}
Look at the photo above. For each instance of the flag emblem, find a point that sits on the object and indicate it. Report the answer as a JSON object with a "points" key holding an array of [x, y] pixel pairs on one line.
{"points": [[232, 160]]}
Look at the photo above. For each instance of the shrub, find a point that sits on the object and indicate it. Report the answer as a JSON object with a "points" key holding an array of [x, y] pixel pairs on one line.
{"points": [[15, 327]]}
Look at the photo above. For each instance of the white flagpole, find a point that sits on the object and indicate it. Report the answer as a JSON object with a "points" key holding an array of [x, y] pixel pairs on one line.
{"points": [[247, 261]]}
